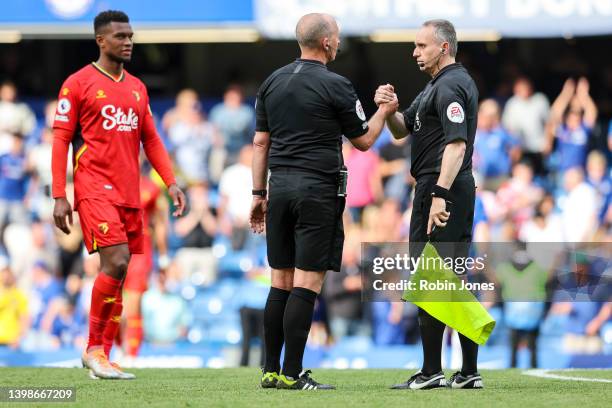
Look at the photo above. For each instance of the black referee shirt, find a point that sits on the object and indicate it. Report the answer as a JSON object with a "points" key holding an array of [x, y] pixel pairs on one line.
{"points": [[446, 110], [307, 109]]}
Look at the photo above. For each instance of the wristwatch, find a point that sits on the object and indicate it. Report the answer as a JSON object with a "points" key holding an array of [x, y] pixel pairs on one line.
{"points": [[260, 193]]}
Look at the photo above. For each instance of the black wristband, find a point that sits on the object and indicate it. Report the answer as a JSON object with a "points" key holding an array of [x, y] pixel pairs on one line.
{"points": [[261, 193], [438, 191]]}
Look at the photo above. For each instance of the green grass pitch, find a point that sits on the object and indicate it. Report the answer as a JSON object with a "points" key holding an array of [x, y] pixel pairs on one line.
{"points": [[239, 387]]}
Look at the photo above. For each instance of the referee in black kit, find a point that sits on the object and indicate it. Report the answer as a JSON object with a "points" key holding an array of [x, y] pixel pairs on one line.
{"points": [[442, 122], [303, 110]]}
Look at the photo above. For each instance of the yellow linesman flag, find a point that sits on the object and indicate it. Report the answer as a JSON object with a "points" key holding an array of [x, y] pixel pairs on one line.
{"points": [[439, 292]]}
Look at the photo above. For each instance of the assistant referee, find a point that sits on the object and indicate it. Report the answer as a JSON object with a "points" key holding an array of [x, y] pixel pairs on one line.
{"points": [[442, 121], [303, 110]]}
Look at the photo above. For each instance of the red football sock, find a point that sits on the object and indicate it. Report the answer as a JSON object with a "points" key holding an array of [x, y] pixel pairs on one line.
{"points": [[112, 325], [103, 297], [133, 335]]}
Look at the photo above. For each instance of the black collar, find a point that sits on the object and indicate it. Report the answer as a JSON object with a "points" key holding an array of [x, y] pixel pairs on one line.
{"points": [[311, 62], [450, 67]]}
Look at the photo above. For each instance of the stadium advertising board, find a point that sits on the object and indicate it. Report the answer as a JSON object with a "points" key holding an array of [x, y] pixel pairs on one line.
{"points": [[65, 12], [505, 18]]}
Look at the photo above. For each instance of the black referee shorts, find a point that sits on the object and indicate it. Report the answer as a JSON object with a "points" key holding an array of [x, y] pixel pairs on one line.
{"points": [[454, 239], [304, 221]]}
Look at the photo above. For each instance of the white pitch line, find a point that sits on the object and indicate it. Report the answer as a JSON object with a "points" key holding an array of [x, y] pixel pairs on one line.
{"points": [[542, 373]]}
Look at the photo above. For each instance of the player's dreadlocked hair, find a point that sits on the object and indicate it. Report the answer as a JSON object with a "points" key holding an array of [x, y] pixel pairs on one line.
{"points": [[107, 17]]}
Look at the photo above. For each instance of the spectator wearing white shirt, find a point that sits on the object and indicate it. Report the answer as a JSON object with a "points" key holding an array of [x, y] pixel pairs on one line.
{"points": [[545, 225], [235, 189], [525, 116], [191, 135], [15, 117], [579, 207]]}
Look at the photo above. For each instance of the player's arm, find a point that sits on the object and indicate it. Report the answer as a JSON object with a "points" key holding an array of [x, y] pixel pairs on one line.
{"points": [[261, 148], [450, 105], [160, 230], [397, 127], [401, 124], [158, 156], [452, 159], [361, 133], [64, 125], [395, 122], [375, 126]]}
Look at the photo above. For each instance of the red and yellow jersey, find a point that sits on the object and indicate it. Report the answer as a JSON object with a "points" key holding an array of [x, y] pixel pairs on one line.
{"points": [[108, 118], [149, 193]]}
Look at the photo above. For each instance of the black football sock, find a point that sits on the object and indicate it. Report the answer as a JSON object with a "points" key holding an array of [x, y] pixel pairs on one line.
{"points": [[432, 332], [297, 321], [273, 327], [469, 350]]}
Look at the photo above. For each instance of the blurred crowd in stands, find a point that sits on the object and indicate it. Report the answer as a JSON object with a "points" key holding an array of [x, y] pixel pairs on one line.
{"points": [[541, 177]]}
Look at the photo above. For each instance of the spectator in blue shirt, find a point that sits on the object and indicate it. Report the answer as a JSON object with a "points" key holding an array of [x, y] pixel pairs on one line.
{"points": [[494, 149], [45, 289], [572, 117], [480, 227], [235, 120], [14, 180]]}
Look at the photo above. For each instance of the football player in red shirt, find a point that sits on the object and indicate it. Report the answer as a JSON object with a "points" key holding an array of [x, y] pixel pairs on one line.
{"points": [[104, 112]]}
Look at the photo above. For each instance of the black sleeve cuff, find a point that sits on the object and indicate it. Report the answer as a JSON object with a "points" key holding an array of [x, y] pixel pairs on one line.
{"points": [[358, 133]]}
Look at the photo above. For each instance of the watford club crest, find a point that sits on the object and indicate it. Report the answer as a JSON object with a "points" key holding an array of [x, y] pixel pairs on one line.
{"points": [[103, 227]]}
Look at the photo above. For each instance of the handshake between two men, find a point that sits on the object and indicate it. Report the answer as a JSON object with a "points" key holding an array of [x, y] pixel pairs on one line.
{"points": [[385, 94], [386, 99]]}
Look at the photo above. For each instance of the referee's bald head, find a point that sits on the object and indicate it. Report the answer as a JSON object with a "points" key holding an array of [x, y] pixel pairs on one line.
{"points": [[314, 27]]}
